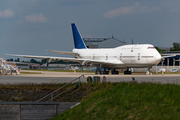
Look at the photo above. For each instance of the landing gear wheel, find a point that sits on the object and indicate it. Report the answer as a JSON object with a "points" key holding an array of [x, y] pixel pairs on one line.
{"points": [[102, 70], [105, 72], [114, 72], [127, 72]]}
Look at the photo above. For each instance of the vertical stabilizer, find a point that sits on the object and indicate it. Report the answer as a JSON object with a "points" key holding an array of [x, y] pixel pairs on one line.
{"points": [[78, 42]]}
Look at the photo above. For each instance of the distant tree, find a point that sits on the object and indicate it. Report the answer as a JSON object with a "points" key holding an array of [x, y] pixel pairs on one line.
{"points": [[59, 62], [159, 50], [43, 61], [176, 47], [11, 60], [17, 60], [7, 60], [33, 61]]}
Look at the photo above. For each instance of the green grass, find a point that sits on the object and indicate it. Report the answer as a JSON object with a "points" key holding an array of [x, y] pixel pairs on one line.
{"points": [[127, 101]]}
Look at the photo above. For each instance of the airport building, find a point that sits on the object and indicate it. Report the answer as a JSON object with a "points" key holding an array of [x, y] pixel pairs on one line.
{"points": [[21, 65], [171, 61]]}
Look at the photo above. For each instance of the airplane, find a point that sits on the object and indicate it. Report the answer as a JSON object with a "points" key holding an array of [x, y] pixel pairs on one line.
{"points": [[110, 59]]}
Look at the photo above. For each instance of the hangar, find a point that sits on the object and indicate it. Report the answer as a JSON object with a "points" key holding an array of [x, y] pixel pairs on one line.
{"points": [[103, 42]]}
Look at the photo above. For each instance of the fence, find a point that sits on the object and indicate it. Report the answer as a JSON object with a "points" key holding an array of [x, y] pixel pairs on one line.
{"points": [[18, 111], [32, 110]]}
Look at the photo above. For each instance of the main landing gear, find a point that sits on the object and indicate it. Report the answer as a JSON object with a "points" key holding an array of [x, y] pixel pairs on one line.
{"points": [[102, 70], [106, 71], [127, 72], [114, 71], [97, 70]]}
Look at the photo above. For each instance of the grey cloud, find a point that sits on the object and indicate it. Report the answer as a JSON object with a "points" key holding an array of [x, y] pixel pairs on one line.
{"points": [[146, 9], [6, 13], [36, 18], [136, 8]]}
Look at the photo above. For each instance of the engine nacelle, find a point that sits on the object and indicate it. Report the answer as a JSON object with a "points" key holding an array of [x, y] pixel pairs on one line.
{"points": [[85, 62]]}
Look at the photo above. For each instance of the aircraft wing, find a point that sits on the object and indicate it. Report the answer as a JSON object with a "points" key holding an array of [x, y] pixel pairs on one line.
{"points": [[81, 61], [30, 56], [63, 52], [50, 58]]}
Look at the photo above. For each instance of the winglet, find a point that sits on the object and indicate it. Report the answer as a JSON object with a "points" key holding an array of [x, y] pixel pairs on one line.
{"points": [[78, 42]]}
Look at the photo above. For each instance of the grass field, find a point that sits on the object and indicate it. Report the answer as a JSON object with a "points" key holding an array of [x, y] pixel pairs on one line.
{"points": [[127, 101]]}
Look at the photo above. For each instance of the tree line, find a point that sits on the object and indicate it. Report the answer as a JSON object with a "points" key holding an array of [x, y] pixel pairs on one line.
{"points": [[43, 61], [30, 61], [176, 47]]}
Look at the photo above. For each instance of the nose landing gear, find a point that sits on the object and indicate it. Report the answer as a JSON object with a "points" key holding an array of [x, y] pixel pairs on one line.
{"points": [[114, 71], [149, 72]]}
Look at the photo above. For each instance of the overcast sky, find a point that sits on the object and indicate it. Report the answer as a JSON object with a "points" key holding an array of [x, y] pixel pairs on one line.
{"points": [[33, 26]]}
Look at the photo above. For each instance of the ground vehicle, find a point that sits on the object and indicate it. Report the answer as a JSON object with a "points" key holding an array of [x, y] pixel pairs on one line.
{"points": [[173, 70]]}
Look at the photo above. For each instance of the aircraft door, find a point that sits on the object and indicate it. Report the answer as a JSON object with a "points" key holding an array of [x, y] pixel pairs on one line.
{"points": [[139, 56], [93, 56], [120, 56], [106, 56]]}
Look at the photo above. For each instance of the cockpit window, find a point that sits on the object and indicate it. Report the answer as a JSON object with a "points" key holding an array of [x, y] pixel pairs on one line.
{"points": [[151, 47]]}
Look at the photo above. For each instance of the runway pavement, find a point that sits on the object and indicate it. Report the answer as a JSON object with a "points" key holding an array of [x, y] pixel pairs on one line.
{"points": [[64, 77]]}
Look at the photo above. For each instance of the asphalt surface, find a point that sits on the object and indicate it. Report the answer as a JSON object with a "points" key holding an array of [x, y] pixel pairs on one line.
{"points": [[65, 77]]}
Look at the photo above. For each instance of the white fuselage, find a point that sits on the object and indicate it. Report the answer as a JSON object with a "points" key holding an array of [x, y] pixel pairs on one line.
{"points": [[132, 56]]}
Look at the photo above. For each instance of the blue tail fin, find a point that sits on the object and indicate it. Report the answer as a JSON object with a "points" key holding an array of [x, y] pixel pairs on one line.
{"points": [[78, 42]]}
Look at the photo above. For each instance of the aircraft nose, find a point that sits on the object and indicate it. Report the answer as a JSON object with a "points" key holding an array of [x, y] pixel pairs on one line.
{"points": [[158, 57]]}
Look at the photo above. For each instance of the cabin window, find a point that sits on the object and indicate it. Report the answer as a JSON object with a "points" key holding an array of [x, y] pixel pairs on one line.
{"points": [[128, 56], [147, 56]]}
